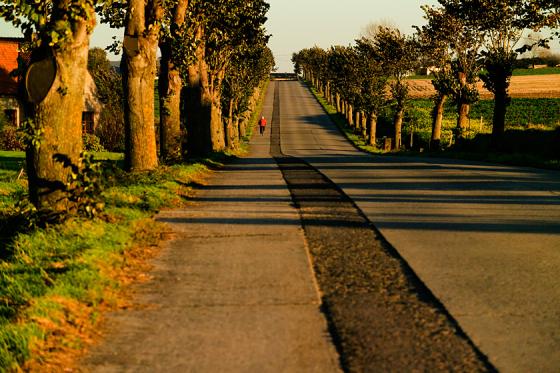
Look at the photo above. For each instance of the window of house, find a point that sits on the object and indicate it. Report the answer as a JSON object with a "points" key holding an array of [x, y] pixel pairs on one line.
{"points": [[11, 117], [87, 122]]}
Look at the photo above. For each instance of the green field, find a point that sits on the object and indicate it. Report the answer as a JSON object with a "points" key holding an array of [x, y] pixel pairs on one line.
{"points": [[545, 71], [538, 113]]}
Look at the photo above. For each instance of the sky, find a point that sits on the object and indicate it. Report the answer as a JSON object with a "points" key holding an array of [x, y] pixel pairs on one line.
{"points": [[298, 24]]}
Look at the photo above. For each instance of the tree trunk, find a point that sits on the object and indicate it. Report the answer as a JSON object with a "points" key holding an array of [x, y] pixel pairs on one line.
{"points": [[139, 72], [338, 105], [217, 131], [241, 129], [197, 107], [170, 86], [59, 119], [499, 119], [363, 125], [437, 122], [372, 129], [399, 116], [350, 116], [357, 121], [232, 133], [463, 110]]}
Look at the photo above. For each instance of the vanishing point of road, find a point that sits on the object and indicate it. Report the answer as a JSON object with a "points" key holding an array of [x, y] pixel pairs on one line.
{"points": [[485, 239], [235, 290]]}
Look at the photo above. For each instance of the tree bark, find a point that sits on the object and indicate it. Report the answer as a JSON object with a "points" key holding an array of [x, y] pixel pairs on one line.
{"points": [[197, 107], [338, 105], [139, 72], [350, 116], [462, 119], [363, 125], [217, 131], [499, 118], [242, 125], [399, 116], [372, 129], [59, 117], [232, 132], [437, 122], [170, 86]]}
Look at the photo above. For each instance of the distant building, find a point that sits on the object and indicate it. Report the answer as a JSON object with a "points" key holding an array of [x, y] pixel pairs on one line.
{"points": [[9, 101], [10, 96], [428, 70], [538, 66]]}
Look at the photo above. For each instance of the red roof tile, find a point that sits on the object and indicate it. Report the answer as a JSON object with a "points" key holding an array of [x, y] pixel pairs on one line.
{"points": [[8, 63]]}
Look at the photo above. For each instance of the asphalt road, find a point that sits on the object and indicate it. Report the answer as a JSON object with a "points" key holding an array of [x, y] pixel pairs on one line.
{"points": [[485, 239]]}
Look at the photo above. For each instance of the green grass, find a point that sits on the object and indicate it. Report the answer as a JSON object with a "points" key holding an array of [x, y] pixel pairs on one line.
{"points": [[523, 113], [536, 115], [342, 124], [544, 71], [49, 274], [43, 270], [56, 280]]}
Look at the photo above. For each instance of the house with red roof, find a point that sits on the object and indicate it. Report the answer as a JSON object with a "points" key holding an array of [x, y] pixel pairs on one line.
{"points": [[11, 55], [9, 101]]}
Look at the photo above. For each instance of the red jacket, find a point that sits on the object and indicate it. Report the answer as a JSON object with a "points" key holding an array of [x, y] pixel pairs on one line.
{"points": [[262, 122]]}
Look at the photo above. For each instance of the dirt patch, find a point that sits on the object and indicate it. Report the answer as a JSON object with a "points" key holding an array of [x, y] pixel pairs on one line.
{"points": [[532, 86]]}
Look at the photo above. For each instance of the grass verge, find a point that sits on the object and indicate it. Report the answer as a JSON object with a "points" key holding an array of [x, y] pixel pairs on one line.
{"points": [[342, 124], [513, 159], [56, 281]]}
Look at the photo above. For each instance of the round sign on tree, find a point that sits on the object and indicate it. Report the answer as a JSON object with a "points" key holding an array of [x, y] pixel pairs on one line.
{"points": [[39, 79]]}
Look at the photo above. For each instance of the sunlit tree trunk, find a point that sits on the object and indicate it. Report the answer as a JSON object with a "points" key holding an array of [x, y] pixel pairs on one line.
{"points": [[338, 104], [462, 119], [350, 116], [372, 129], [57, 120], [357, 121], [463, 108], [139, 72], [437, 122], [363, 125], [399, 116], [217, 131]]}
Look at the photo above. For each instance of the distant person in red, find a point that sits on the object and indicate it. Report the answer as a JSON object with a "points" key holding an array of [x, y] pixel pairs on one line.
{"points": [[262, 125]]}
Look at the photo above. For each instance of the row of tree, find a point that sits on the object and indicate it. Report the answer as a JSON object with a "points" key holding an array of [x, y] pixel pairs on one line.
{"points": [[213, 59], [462, 41]]}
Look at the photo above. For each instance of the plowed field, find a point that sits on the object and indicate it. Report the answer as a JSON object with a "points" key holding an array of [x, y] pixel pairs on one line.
{"points": [[533, 86]]}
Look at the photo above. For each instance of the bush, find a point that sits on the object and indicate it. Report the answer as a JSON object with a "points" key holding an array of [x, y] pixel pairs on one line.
{"points": [[92, 143], [110, 128], [10, 138]]}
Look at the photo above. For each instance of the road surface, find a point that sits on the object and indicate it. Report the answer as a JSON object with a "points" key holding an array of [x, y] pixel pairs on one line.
{"points": [[485, 239]]}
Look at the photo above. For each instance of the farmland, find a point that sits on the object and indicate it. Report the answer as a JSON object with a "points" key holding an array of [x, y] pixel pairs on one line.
{"points": [[522, 86]]}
